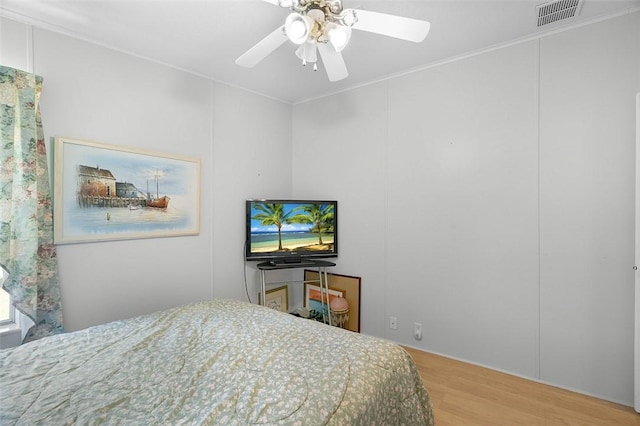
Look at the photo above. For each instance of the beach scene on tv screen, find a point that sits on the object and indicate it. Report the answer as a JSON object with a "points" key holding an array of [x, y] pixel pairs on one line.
{"points": [[284, 227]]}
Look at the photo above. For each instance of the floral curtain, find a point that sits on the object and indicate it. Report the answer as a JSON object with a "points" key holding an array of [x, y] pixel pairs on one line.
{"points": [[27, 252]]}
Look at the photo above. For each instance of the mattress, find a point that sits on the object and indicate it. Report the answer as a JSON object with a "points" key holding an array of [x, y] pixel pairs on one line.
{"points": [[216, 362]]}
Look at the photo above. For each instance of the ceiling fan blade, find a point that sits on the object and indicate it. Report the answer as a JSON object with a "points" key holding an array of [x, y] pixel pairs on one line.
{"points": [[391, 25], [333, 62], [264, 47]]}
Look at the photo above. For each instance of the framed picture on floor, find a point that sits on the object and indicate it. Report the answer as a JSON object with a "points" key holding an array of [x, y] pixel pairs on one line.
{"points": [[313, 299], [277, 298], [350, 286]]}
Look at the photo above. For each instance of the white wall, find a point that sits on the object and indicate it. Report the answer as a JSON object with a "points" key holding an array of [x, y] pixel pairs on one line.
{"points": [[463, 138], [499, 192], [342, 156], [98, 94], [252, 159], [15, 45], [589, 80]]}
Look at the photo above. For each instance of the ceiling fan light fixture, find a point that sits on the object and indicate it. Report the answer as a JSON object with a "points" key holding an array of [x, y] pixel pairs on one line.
{"points": [[298, 27], [307, 52], [348, 17], [323, 27], [335, 6], [338, 35]]}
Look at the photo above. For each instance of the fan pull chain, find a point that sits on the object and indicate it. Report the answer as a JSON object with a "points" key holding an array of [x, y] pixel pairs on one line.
{"points": [[315, 65]]}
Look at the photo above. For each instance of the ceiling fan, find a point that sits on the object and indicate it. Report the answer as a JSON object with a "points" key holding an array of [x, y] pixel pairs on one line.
{"points": [[325, 26]]}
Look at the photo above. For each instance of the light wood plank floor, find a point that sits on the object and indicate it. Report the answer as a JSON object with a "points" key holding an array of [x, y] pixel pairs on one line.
{"points": [[465, 394]]}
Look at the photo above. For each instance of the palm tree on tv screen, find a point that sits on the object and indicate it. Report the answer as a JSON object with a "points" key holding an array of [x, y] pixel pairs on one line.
{"points": [[273, 214], [321, 217]]}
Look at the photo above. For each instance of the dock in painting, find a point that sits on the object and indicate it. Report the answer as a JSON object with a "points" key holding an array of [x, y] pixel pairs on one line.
{"points": [[98, 187]]}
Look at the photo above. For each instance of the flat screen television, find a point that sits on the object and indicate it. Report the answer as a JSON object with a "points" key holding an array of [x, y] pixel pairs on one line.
{"points": [[288, 231]]}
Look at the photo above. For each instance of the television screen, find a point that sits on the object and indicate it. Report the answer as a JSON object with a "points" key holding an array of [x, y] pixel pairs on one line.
{"points": [[291, 230]]}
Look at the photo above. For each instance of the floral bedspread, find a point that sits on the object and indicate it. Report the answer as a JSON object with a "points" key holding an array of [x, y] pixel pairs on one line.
{"points": [[216, 362]]}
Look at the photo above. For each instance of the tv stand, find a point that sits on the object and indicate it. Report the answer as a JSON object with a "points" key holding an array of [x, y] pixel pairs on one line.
{"points": [[320, 265]]}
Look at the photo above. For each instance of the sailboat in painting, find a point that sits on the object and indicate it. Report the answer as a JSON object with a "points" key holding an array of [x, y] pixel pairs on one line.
{"points": [[158, 202]]}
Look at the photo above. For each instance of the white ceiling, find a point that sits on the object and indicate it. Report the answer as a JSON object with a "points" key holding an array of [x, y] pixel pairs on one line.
{"points": [[206, 36]]}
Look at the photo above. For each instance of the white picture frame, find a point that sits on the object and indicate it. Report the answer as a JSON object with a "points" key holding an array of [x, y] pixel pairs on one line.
{"points": [[106, 192]]}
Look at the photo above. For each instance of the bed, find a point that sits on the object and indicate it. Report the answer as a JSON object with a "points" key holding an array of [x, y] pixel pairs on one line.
{"points": [[215, 362]]}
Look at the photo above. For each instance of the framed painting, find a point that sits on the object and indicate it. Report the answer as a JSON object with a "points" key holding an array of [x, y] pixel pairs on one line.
{"points": [[105, 192], [350, 286], [278, 299], [313, 300]]}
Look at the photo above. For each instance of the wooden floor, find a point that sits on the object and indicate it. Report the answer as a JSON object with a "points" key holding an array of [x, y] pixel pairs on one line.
{"points": [[464, 394]]}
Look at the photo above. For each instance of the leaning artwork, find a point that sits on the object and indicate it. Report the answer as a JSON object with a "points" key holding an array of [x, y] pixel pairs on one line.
{"points": [[105, 192]]}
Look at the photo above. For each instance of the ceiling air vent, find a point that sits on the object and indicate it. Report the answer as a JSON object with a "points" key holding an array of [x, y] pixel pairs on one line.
{"points": [[558, 10]]}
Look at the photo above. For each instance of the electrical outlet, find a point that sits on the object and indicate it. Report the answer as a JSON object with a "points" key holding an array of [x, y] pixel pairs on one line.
{"points": [[417, 331], [393, 323]]}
